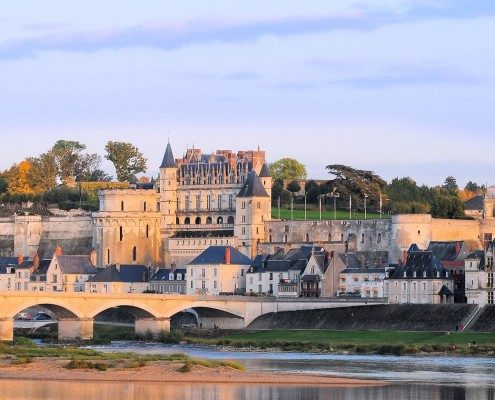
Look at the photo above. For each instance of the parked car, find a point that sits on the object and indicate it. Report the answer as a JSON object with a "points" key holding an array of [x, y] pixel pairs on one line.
{"points": [[24, 316], [41, 316]]}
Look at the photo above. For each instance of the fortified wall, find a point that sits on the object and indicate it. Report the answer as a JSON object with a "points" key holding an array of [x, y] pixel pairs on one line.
{"points": [[31, 234]]}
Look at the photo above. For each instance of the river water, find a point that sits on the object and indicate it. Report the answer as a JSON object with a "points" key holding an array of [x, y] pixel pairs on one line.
{"points": [[424, 378]]}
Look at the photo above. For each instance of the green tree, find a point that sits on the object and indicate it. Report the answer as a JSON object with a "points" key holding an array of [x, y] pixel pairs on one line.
{"points": [[473, 187], [127, 160], [288, 169], [70, 159], [277, 189], [294, 187], [43, 173], [312, 191], [450, 185]]}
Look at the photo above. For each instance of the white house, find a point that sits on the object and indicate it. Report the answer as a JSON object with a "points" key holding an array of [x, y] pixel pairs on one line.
{"points": [[119, 279], [218, 270], [478, 268], [364, 282]]}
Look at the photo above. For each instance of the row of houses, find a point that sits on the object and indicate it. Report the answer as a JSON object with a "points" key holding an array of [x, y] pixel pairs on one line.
{"points": [[445, 272]]}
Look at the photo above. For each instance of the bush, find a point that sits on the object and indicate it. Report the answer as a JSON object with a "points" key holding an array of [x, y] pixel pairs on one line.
{"points": [[21, 361], [85, 364]]}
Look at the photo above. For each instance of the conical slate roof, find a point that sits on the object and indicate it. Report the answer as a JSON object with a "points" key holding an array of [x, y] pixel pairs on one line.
{"points": [[252, 187], [168, 158], [265, 172]]}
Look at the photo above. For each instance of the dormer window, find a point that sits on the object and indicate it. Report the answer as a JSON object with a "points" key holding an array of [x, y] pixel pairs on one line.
{"points": [[405, 274], [438, 274], [179, 277], [424, 274], [414, 274], [171, 277]]}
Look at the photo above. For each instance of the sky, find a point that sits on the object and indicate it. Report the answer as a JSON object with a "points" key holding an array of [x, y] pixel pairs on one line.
{"points": [[403, 88]]}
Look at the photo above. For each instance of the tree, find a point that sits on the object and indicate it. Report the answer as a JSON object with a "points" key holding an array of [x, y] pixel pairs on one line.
{"points": [[288, 169], [43, 173], [127, 160], [294, 187], [18, 182], [69, 159], [312, 191], [277, 189], [451, 185], [473, 187]]}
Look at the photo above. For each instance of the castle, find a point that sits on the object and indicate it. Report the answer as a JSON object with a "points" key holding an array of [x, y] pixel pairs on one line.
{"points": [[198, 201]]}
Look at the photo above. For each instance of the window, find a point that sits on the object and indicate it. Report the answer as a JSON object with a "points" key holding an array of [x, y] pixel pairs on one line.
{"points": [[219, 202], [198, 202], [187, 201], [134, 253], [214, 284], [307, 237], [208, 202], [121, 233], [243, 230], [258, 205], [145, 206], [362, 238], [242, 272], [271, 276], [243, 218], [121, 206], [108, 256], [192, 285], [379, 238], [231, 202], [54, 278], [243, 205], [147, 231], [257, 230]]}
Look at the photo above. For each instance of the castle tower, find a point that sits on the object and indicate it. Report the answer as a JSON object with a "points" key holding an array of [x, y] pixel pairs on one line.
{"points": [[253, 208], [266, 179], [168, 196]]}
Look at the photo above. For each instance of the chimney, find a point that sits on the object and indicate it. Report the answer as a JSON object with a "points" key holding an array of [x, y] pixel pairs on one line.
{"points": [[227, 255], [58, 251], [173, 267], [117, 266], [458, 246], [36, 263], [93, 257], [405, 256], [20, 259]]}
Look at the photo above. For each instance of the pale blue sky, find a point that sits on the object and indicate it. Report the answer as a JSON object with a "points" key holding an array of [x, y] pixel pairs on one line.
{"points": [[405, 88]]}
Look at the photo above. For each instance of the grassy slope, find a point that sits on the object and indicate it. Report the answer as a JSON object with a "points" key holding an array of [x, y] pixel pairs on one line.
{"points": [[326, 215], [366, 337]]}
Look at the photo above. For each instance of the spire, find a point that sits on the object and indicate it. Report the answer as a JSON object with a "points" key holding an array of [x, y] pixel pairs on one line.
{"points": [[265, 171], [252, 187], [168, 158]]}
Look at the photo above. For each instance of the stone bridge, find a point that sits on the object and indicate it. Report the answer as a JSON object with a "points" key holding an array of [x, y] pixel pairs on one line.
{"points": [[152, 312]]}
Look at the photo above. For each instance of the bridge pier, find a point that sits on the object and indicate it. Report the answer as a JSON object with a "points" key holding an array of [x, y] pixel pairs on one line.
{"points": [[156, 326], [75, 328], [6, 329]]}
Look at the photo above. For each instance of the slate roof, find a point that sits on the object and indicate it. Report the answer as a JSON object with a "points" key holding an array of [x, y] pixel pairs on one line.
{"points": [[215, 255], [363, 271], [3, 270], [252, 187], [40, 274], [265, 171], [420, 262], [475, 204], [76, 265], [445, 291], [127, 273], [163, 274], [168, 159], [448, 251], [4, 261], [478, 255]]}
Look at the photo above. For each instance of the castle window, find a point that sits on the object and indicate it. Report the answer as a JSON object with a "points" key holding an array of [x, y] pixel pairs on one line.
{"points": [[329, 237], [134, 253], [208, 202], [307, 237], [243, 206], [121, 232], [145, 206], [187, 204], [220, 220], [208, 220], [198, 221], [177, 221], [285, 238], [147, 231], [362, 238], [258, 205], [270, 238], [121, 206], [379, 238], [231, 201], [108, 256], [230, 220], [243, 230], [198, 202], [341, 237], [219, 202], [243, 218], [257, 230], [158, 207], [187, 221]]}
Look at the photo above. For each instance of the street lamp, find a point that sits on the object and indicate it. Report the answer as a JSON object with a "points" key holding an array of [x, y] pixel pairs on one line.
{"points": [[365, 197]]}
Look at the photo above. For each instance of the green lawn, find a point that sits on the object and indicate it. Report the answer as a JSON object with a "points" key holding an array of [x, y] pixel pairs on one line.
{"points": [[325, 215], [365, 337]]}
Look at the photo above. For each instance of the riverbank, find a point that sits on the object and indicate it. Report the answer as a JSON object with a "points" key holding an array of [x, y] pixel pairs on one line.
{"points": [[56, 363]]}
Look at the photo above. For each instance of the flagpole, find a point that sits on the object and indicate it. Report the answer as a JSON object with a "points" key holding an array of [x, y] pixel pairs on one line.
{"points": [[350, 206]]}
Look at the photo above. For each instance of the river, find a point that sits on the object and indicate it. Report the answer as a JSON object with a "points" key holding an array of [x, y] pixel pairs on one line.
{"points": [[435, 378]]}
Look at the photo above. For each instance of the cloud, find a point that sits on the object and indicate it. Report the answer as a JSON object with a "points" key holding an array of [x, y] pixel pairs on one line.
{"points": [[402, 75], [242, 76], [169, 36]]}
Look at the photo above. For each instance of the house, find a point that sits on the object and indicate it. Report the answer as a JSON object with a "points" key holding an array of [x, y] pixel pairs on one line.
{"points": [[451, 255], [37, 281], [169, 280], [474, 207], [119, 279], [218, 270], [363, 282], [68, 273], [7, 278], [480, 289], [420, 279], [280, 274]]}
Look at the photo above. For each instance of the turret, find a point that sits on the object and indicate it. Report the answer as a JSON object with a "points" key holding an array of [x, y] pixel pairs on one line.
{"points": [[266, 179], [168, 188], [253, 208]]}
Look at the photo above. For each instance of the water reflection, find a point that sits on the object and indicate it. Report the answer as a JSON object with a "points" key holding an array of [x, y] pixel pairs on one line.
{"points": [[37, 390]]}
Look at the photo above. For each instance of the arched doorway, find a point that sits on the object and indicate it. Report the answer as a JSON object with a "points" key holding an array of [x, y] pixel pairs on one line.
{"points": [[198, 221], [187, 221], [220, 220], [230, 220], [208, 220]]}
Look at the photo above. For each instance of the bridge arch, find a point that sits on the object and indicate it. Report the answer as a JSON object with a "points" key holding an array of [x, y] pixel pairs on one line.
{"points": [[138, 311], [59, 309]]}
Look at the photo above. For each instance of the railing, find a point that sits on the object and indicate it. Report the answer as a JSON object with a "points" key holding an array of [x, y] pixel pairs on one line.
{"points": [[190, 227]]}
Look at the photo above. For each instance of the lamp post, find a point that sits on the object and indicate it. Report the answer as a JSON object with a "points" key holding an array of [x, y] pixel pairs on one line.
{"points": [[335, 196], [319, 198], [365, 197]]}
